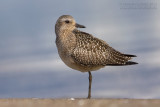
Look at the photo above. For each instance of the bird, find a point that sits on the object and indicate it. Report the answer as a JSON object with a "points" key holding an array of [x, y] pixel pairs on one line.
{"points": [[84, 52]]}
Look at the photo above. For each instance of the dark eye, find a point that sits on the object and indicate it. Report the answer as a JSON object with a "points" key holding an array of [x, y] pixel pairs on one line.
{"points": [[67, 21]]}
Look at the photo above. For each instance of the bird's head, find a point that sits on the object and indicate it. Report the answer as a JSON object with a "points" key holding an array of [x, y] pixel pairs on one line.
{"points": [[67, 22]]}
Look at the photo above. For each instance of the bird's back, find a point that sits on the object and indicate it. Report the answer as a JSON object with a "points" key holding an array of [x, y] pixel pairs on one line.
{"points": [[91, 51]]}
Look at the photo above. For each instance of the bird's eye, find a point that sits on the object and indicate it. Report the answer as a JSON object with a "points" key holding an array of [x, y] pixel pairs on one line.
{"points": [[67, 21]]}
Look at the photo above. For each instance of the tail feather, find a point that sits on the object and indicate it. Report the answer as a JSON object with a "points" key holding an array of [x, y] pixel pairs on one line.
{"points": [[129, 55], [131, 63], [117, 58], [127, 63]]}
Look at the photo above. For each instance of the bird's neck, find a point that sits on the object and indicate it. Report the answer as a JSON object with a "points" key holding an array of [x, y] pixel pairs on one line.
{"points": [[65, 39]]}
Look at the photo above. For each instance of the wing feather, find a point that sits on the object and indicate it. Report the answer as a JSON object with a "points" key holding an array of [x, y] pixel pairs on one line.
{"points": [[91, 51]]}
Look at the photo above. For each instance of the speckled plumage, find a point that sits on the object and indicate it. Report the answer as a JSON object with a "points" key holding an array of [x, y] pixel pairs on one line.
{"points": [[84, 52]]}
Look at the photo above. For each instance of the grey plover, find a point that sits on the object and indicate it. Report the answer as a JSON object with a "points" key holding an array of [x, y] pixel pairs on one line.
{"points": [[82, 51]]}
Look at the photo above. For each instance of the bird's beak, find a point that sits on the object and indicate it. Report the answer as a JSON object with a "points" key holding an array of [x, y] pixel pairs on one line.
{"points": [[79, 26]]}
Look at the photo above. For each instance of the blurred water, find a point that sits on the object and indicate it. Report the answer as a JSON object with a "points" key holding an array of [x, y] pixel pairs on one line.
{"points": [[30, 65]]}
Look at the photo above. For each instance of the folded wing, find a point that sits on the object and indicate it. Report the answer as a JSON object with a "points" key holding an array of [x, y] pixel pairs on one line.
{"points": [[91, 51]]}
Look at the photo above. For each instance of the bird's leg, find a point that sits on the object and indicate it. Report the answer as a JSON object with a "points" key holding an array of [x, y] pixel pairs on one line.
{"points": [[90, 83]]}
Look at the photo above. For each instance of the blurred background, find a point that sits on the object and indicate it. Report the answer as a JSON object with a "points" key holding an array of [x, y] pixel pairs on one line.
{"points": [[30, 65]]}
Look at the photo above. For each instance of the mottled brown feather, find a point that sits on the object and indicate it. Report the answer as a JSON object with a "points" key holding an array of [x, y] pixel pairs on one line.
{"points": [[91, 51]]}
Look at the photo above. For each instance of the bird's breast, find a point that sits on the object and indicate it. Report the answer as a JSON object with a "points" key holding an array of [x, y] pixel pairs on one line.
{"points": [[65, 45]]}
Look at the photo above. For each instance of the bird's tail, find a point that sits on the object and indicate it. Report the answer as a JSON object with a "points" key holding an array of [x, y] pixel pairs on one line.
{"points": [[130, 63], [129, 55], [127, 62]]}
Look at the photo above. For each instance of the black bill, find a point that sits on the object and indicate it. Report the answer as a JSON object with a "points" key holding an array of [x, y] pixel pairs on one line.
{"points": [[80, 26]]}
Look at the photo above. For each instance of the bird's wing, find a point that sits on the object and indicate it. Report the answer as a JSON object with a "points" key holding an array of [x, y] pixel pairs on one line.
{"points": [[91, 51]]}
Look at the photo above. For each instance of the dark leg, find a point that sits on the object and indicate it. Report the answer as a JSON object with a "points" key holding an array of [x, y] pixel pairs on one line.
{"points": [[90, 83]]}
